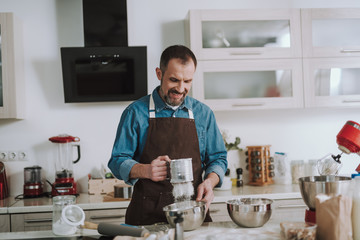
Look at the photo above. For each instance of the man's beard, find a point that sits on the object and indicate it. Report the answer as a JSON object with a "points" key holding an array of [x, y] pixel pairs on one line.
{"points": [[167, 97]]}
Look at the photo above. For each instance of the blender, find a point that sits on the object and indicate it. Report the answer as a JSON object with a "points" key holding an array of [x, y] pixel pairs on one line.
{"points": [[64, 180], [33, 186]]}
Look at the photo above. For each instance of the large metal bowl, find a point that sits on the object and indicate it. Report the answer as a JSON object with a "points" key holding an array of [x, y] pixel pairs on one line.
{"points": [[193, 213], [249, 212], [330, 185]]}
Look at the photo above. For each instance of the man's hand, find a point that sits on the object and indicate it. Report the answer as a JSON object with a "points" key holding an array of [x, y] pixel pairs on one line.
{"points": [[156, 170], [205, 189]]}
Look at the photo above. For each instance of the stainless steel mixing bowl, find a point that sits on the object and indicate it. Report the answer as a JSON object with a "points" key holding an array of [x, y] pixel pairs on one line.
{"points": [[330, 185], [249, 212], [193, 213]]}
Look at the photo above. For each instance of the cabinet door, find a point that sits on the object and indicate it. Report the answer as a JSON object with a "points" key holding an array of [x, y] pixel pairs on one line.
{"points": [[245, 33], [12, 89], [31, 222], [5, 223], [332, 82], [106, 215], [249, 84], [330, 32], [288, 210]]}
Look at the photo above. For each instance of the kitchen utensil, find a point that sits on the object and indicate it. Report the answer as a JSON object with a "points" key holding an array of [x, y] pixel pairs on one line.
{"points": [[33, 186], [116, 229], [298, 231], [193, 213], [330, 185], [329, 165], [348, 139], [64, 182], [249, 212], [4, 190], [66, 216], [181, 170], [123, 191]]}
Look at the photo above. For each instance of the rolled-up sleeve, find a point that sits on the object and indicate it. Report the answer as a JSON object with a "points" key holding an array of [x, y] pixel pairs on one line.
{"points": [[215, 156], [125, 145]]}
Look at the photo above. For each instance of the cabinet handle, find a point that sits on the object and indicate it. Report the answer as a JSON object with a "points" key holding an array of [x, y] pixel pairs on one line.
{"points": [[350, 51], [245, 53], [351, 101], [215, 211], [38, 220], [292, 206], [106, 216], [248, 105]]}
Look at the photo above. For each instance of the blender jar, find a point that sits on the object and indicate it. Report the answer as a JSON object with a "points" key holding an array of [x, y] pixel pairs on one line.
{"points": [[66, 216]]}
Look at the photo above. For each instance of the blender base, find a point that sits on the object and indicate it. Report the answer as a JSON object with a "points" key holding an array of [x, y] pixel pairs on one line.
{"points": [[310, 216]]}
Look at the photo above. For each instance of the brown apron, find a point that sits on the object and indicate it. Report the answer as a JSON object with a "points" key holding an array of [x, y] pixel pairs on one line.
{"points": [[177, 138]]}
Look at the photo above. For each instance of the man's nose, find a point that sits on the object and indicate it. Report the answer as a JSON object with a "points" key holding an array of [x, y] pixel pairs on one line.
{"points": [[181, 87]]}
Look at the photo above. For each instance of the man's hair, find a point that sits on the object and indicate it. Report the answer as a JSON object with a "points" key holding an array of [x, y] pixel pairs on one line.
{"points": [[176, 51]]}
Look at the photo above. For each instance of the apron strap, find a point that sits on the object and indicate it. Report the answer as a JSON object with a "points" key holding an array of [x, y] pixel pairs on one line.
{"points": [[152, 109]]}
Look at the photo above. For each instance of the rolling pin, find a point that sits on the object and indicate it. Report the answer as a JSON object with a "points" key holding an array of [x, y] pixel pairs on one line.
{"points": [[116, 229]]}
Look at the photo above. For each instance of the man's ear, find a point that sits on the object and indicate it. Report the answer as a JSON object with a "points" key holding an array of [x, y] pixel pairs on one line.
{"points": [[158, 73]]}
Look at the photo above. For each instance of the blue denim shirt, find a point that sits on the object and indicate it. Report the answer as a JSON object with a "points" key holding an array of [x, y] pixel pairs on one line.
{"points": [[132, 134]]}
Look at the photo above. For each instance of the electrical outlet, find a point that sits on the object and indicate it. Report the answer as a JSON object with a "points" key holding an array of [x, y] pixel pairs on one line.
{"points": [[13, 156], [22, 155], [3, 156]]}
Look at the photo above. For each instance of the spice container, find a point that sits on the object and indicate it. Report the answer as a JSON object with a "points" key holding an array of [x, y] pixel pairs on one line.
{"points": [[297, 170]]}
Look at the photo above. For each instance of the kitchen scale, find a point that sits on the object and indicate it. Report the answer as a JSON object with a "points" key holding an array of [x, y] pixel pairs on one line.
{"points": [[64, 182]]}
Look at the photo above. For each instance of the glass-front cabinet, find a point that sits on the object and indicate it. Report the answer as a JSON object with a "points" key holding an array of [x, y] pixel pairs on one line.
{"points": [[12, 87], [330, 32], [249, 84], [332, 82], [245, 33]]}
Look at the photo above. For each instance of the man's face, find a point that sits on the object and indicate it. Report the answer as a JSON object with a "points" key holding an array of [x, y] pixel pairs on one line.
{"points": [[176, 81]]}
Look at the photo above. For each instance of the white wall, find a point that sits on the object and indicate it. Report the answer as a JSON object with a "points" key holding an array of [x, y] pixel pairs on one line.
{"points": [[51, 24]]}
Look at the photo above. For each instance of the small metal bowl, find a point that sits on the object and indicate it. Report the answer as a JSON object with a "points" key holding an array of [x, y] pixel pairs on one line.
{"points": [[249, 212], [193, 213]]}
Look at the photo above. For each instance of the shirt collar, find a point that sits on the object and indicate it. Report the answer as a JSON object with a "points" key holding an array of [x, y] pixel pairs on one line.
{"points": [[161, 105]]}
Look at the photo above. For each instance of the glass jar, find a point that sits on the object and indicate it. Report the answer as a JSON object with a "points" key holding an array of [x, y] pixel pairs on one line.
{"points": [[297, 170], [66, 215], [311, 168]]}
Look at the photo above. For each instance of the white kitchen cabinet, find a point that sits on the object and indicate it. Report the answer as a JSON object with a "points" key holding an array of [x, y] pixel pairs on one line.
{"points": [[249, 84], [12, 85], [4, 223], [288, 210], [332, 82], [106, 215], [31, 222], [330, 32], [245, 33]]}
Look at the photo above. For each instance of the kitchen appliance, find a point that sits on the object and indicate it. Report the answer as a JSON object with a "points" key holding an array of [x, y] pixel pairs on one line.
{"points": [[348, 140], [249, 212], [64, 182], [330, 185], [33, 186], [4, 190]]}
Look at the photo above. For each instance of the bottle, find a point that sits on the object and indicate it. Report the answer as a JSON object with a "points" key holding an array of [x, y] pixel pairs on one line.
{"points": [[239, 180], [355, 214]]}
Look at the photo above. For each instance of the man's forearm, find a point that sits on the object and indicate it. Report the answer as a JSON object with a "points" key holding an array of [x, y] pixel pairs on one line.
{"points": [[213, 178], [138, 171]]}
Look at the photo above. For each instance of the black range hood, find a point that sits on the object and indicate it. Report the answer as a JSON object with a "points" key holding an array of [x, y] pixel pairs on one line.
{"points": [[106, 68]]}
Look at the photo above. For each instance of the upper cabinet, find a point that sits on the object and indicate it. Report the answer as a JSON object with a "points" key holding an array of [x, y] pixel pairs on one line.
{"points": [[276, 58], [12, 87], [245, 34], [249, 84], [330, 32]]}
